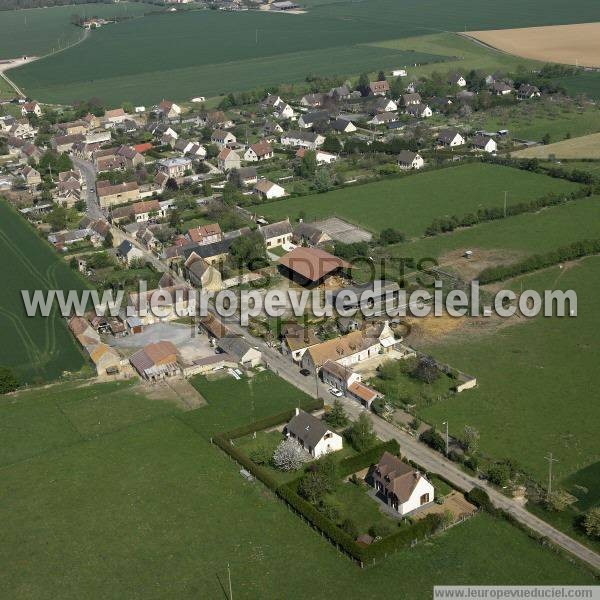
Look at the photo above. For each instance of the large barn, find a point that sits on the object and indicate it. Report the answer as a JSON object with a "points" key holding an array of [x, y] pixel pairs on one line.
{"points": [[311, 267]]}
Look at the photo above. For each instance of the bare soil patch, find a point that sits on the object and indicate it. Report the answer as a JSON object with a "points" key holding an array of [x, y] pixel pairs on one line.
{"points": [[178, 391], [577, 44], [469, 268]]}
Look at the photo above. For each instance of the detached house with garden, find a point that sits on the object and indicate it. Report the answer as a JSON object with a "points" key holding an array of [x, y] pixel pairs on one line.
{"points": [[401, 486], [313, 434]]}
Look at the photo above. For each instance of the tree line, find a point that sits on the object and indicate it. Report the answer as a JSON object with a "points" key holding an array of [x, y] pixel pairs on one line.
{"points": [[540, 261]]}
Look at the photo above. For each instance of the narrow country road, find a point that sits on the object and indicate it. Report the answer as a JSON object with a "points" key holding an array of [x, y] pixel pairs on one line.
{"points": [[420, 453], [411, 448]]}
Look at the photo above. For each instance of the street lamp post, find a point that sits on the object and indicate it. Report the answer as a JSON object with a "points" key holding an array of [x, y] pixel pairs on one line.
{"points": [[446, 424]]}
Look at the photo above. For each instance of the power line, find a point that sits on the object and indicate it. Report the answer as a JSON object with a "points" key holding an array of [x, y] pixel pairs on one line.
{"points": [[550, 460]]}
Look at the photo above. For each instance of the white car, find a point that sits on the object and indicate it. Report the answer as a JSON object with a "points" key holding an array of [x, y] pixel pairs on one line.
{"points": [[335, 392]]}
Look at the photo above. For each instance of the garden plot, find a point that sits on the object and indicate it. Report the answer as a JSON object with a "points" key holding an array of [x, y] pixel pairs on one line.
{"points": [[342, 231]]}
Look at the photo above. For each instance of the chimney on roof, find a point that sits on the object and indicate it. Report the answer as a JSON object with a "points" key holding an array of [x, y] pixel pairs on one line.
{"points": [[297, 411]]}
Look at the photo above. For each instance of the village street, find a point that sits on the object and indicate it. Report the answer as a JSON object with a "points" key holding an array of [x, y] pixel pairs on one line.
{"points": [[410, 447]]}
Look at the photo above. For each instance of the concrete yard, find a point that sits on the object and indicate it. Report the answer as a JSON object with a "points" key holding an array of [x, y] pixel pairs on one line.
{"points": [[342, 231], [190, 344]]}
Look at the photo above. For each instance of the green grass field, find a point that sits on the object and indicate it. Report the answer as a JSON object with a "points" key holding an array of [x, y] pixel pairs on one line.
{"points": [[462, 54], [411, 203], [531, 122], [149, 508], [39, 31], [584, 82], [524, 234], [135, 61], [534, 376], [41, 348], [233, 403]]}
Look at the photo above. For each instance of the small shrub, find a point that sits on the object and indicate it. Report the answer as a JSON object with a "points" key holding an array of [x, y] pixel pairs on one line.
{"points": [[380, 530], [349, 526]]}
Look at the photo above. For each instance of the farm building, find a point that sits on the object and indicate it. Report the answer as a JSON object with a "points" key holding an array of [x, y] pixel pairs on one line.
{"points": [[156, 361], [311, 266]]}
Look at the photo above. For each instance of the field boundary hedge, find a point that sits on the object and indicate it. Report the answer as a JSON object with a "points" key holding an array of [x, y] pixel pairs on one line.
{"points": [[287, 492], [540, 261]]}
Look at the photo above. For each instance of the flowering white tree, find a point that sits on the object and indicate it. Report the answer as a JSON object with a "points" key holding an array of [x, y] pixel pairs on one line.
{"points": [[289, 455]]}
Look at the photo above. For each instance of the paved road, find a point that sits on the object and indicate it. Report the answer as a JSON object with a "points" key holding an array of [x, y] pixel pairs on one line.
{"points": [[88, 171], [411, 448], [422, 454]]}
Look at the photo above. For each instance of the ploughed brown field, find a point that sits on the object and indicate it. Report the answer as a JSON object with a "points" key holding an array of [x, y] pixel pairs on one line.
{"points": [[568, 44]]}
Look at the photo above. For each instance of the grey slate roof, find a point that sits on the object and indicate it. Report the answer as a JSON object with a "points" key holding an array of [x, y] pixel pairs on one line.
{"points": [[306, 428], [276, 229], [235, 346]]}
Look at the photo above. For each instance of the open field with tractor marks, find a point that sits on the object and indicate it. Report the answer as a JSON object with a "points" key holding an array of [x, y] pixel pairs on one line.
{"points": [[40, 349], [132, 61]]}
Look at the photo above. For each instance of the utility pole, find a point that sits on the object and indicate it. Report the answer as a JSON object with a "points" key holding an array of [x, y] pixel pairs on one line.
{"points": [[229, 577], [550, 460], [446, 424], [505, 199]]}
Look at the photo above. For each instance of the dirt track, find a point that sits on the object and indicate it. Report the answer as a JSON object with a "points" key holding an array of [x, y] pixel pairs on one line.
{"points": [[568, 44]]}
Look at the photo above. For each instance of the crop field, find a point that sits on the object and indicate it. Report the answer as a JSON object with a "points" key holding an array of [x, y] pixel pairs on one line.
{"points": [[268, 48], [567, 44], [533, 394], [522, 235], [411, 203], [171, 511], [39, 31], [531, 121], [461, 53], [587, 146], [40, 348]]}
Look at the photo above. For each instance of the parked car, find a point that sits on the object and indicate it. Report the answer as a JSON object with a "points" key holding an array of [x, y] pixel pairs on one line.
{"points": [[304, 372], [335, 392]]}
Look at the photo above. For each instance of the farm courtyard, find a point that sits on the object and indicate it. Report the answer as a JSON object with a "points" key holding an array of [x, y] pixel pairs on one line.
{"points": [[163, 497]]}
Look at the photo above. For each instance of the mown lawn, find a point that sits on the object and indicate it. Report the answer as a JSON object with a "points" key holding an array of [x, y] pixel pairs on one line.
{"points": [[152, 509], [412, 202], [535, 380], [232, 403], [40, 348]]}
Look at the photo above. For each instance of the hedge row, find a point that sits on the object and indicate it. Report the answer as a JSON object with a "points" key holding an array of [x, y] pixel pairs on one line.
{"points": [[322, 523], [540, 261], [483, 215], [259, 472], [366, 459], [402, 539], [308, 405], [288, 493], [533, 165]]}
